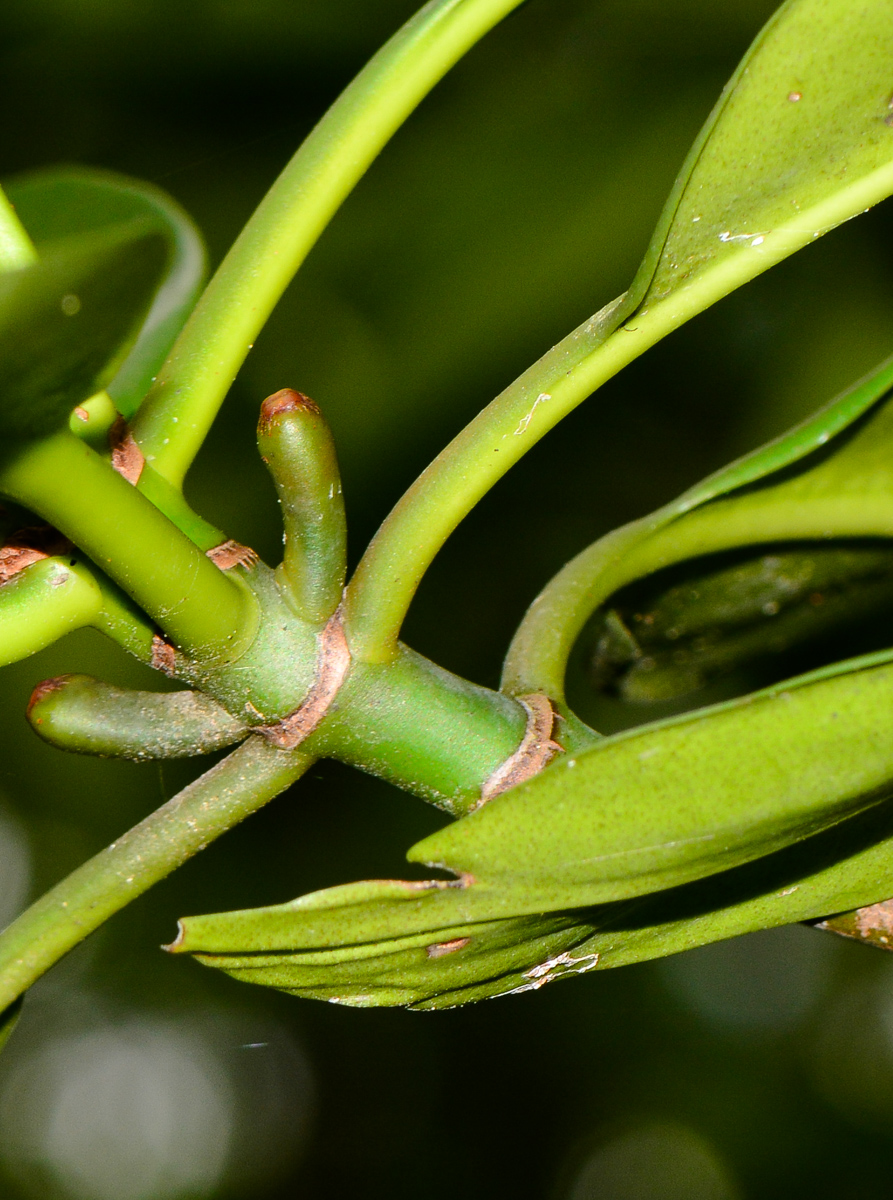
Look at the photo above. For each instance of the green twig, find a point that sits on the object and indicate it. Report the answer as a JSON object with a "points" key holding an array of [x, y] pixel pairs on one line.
{"points": [[44, 602], [443, 495], [197, 605], [221, 798], [174, 420], [538, 656], [296, 444]]}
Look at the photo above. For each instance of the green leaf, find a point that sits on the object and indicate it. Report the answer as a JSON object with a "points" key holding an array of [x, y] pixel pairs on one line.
{"points": [[388, 943], [799, 141], [670, 634], [802, 141], [648, 843], [68, 202], [686, 798], [456, 963], [16, 248], [65, 322]]}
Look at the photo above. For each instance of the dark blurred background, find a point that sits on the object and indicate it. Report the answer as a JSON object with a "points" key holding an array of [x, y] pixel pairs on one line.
{"points": [[515, 202]]}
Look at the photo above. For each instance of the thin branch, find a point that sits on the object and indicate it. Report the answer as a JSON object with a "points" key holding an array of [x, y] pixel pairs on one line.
{"points": [[221, 798]]}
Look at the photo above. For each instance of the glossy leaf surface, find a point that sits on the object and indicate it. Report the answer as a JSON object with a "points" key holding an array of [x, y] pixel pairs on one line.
{"points": [[65, 322], [799, 141], [69, 202], [387, 943]]}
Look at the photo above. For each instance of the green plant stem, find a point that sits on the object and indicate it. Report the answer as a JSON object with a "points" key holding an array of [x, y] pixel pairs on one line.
{"points": [[121, 620], [171, 501], [174, 419], [221, 798], [88, 716], [387, 578], [537, 658], [43, 603], [16, 248], [69, 485], [422, 728]]}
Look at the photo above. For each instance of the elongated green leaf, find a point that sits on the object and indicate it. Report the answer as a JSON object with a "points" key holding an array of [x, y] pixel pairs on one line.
{"points": [[683, 799], [669, 635], [67, 202], [386, 943], [464, 962], [687, 800], [803, 141], [798, 142], [65, 322]]}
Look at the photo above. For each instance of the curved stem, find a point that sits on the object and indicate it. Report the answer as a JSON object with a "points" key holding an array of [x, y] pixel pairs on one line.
{"points": [[537, 658], [74, 908], [410, 537], [70, 486], [174, 419], [42, 603]]}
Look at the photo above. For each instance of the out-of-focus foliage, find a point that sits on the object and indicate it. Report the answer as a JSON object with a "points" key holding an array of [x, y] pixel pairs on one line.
{"points": [[517, 199]]}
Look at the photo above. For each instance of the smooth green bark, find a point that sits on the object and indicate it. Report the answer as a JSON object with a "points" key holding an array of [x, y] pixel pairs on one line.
{"points": [[203, 610], [221, 798], [177, 414]]}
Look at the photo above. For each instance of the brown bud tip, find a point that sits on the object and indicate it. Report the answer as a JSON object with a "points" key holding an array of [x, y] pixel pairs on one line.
{"points": [[287, 400], [45, 689]]}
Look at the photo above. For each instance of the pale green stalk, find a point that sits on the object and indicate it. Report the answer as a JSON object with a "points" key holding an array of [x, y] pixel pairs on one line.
{"points": [[221, 798], [403, 549], [537, 658], [202, 609], [175, 418]]}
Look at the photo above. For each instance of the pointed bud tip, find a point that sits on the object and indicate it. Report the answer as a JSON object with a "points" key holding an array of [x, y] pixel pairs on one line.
{"points": [[287, 400], [46, 689]]}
